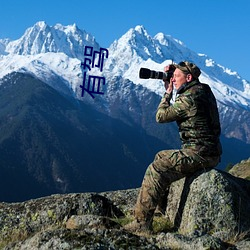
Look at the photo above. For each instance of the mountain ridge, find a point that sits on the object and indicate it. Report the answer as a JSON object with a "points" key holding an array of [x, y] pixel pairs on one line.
{"points": [[56, 144], [167, 50], [42, 38], [134, 49]]}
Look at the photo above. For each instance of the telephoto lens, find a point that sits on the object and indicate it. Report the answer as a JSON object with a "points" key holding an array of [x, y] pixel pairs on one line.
{"points": [[147, 73]]}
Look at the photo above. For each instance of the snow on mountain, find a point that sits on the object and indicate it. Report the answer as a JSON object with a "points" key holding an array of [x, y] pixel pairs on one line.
{"points": [[47, 67], [41, 38], [3, 43], [137, 49], [58, 50], [48, 53]]}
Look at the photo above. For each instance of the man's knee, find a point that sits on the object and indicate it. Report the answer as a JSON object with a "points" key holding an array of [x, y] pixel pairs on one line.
{"points": [[162, 160]]}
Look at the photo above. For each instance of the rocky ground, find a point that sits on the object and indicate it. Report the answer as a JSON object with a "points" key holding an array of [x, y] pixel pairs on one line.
{"points": [[241, 169], [208, 211]]}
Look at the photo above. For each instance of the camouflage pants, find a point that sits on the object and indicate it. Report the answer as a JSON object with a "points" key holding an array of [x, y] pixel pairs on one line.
{"points": [[167, 167]]}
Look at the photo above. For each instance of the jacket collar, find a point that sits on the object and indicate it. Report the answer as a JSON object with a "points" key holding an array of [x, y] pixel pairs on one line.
{"points": [[187, 85]]}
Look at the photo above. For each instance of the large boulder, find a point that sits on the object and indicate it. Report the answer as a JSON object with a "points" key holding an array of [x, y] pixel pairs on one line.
{"points": [[19, 221], [210, 202]]}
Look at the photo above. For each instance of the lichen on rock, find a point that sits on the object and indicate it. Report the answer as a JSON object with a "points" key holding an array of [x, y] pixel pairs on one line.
{"points": [[209, 210], [211, 202]]}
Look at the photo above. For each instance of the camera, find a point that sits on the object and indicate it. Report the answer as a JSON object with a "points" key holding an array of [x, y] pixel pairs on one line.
{"points": [[145, 73]]}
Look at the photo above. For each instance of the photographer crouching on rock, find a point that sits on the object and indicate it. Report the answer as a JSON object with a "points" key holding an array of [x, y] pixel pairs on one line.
{"points": [[195, 111]]}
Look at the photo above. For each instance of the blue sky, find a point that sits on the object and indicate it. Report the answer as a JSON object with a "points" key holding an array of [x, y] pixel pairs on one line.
{"points": [[218, 28]]}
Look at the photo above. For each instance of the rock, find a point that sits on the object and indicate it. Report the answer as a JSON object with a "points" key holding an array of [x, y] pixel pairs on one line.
{"points": [[209, 210], [212, 202], [85, 239], [124, 199], [90, 221], [20, 220], [178, 241], [241, 169], [243, 245]]}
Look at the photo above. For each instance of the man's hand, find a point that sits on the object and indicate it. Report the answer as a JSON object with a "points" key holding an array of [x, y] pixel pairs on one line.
{"points": [[168, 85]]}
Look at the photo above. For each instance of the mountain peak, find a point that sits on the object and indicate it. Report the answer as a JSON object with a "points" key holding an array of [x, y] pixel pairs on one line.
{"points": [[140, 29], [69, 28], [41, 24], [42, 38], [134, 35], [166, 40]]}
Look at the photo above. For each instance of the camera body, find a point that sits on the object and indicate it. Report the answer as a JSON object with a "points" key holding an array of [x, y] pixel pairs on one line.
{"points": [[146, 73]]}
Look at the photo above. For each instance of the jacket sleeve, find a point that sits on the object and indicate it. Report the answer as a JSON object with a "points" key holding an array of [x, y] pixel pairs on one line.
{"points": [[182, 108]]}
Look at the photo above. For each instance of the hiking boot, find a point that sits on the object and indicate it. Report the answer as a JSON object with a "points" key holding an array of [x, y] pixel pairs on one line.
{"points": [[140, 227]]}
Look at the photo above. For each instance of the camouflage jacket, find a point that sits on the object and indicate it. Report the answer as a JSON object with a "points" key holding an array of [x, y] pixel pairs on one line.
{"points": [[195, 111]]}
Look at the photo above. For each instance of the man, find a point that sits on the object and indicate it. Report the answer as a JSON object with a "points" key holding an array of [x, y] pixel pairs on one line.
{"points": [[195, 111]]}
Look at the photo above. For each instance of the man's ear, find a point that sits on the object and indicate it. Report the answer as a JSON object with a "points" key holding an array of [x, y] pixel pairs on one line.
{"points": [[189, 77]]}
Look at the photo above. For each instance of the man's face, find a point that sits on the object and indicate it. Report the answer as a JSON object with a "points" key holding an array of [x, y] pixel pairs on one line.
{"points": [[179, 78]]}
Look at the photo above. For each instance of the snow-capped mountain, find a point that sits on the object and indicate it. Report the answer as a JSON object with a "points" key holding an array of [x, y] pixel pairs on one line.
{"points": [[58, 50], [54, 54], [41, 38], [48, 53], [137, 49]]}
